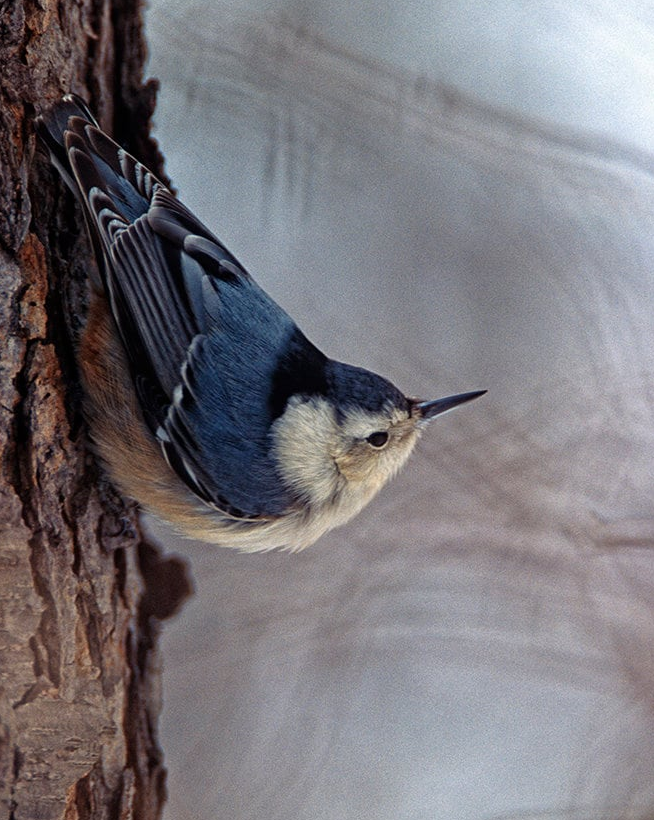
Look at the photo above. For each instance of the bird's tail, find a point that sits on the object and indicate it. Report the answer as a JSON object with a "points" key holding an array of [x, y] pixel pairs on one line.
{"points": [[51, 127], [114, 188]]}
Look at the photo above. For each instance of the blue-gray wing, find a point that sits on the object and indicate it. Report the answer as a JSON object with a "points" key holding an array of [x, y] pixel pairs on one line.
{"points": [[210, 340], [202, 339]]}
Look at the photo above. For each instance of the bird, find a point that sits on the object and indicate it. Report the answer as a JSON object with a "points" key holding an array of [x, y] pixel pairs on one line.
{"points": [[205, 401]]}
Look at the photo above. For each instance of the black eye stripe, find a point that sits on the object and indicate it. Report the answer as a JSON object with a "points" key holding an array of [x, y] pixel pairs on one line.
{"points": [[377, 439]]}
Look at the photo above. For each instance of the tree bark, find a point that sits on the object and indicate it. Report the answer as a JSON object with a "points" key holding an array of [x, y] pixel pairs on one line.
{"points": [[81, 592]]}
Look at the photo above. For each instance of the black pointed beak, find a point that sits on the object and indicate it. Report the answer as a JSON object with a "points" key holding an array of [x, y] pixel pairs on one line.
{"points": [[427, 410]]}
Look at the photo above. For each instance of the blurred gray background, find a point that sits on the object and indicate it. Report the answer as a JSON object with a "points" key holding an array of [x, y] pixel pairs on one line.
{"points": [[460, 196]]}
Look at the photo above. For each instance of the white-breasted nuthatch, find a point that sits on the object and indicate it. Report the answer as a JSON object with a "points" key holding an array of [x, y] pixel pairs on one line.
{"points": [[206, 402]]}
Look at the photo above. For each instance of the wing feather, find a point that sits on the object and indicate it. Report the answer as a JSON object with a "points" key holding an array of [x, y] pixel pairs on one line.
{"points": [[203, 340]]}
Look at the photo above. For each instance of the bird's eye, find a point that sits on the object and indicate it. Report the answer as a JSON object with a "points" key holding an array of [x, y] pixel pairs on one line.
{"points": [[377, 439]]}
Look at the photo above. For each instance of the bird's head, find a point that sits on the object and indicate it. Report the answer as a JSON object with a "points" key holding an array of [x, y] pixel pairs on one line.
{"points": [[337, 449]]}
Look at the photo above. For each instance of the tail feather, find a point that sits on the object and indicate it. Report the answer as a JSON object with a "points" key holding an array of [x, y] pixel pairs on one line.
{"points": [[112, 187], [97, 161], [51, 127]]}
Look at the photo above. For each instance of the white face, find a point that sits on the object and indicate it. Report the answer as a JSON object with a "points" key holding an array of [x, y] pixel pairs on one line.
{"points": [[346, 464]]}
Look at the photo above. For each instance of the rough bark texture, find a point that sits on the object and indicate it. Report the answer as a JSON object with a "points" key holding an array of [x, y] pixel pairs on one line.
{"points": [[80, 591]]}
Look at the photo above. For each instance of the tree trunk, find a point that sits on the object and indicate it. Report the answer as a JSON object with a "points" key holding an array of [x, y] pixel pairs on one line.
{"points": [[80, 591]]}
